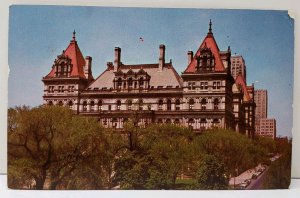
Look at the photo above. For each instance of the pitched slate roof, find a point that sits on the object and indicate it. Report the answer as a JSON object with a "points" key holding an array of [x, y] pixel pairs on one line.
{"points": [[73, 52], [240, 80], [164, 78], [211, 44]]}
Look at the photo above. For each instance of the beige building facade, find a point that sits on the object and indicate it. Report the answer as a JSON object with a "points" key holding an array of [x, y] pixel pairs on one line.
{"points": [[238, 66], [267, 128], [201, 97]]}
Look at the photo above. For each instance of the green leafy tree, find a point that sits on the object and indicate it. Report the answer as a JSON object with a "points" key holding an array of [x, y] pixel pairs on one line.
{"points": [[236, 150], [47, 144], [155, 160], [212, 174], [279, 173]]}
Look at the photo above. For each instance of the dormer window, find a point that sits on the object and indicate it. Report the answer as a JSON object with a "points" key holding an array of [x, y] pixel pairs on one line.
{"points": [[141, 82], [62, 66], [206, 60], [130, 83], [119, 83]]}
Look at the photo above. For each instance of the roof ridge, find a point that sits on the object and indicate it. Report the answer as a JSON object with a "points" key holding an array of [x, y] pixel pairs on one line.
{"points": [[241, 80]]}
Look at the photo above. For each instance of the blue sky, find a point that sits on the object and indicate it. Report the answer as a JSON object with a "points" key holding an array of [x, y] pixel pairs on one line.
{"points": [[37, 34]]}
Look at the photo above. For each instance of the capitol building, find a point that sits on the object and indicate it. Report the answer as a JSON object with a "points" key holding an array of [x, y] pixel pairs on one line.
{"points": [[205, 95]]}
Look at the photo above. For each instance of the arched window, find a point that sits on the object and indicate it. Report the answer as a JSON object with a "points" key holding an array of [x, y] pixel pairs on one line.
{"points": [[100, 105], [119, 105], [216, 104], [129, 105], [50, 103], [160, 104], [70, 104], [191, 104], [203, 104], [159, 121], [114, 122], [92, 106], [177, 104], [176, 121], [84, 105], [62, 69], [216, 122], [191, 123], [141, 105], [169, 105], [203, 124], [105, 121], [60, 103], [168, 121]]}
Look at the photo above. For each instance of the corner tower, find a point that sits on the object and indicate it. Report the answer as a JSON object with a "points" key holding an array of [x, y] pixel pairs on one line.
{"points": [[70, 74], [207, 90]]}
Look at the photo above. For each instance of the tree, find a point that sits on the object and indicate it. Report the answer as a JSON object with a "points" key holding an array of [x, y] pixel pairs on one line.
{"points": [[279, 173], [47, 144], [235, 150], [212, 174], [158, 155]]}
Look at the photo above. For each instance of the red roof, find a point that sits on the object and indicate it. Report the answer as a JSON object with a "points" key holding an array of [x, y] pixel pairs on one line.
{"points": [[73, 52], [210, 43], [241, 81]]}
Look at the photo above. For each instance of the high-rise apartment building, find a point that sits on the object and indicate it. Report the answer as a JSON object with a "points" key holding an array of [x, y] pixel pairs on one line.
{"points": [[261, 100], [267, 128], [263, 127], [238, 66]]}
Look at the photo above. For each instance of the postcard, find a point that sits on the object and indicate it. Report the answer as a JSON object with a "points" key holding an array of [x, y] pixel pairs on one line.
{"points": [[111, 98]]}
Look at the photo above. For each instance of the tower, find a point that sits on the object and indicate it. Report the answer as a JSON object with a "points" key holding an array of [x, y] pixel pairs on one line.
{"points": [[207, 86], [70, 74]]}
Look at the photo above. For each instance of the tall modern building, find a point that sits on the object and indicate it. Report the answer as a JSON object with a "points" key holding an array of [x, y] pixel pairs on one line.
{"points": [[261, 100], [264, 127], [238, 66], [204, 96]]}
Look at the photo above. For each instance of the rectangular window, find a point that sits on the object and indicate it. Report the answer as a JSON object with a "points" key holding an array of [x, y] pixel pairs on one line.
{"points": [[214, 85], [202, 85], [193, 86], [51, 89], [218, 85], [206, 85], [190, 86]]}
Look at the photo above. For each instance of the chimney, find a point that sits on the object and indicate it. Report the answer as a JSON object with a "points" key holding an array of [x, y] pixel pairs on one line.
{"points": [[161, 56], [88, 67], [190, 56], [117, 62]]}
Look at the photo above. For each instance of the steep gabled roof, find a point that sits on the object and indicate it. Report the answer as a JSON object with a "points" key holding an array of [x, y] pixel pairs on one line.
{"points": [[73, 52], [210, 43], [168, 77], [240, 80]]}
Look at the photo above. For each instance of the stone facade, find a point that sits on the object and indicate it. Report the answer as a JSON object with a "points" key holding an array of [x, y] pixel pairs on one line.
{"points": [[204, 96]]}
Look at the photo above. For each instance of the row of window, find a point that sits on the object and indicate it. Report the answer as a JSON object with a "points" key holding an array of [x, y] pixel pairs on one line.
{"points": [[140, 104], [167, 121], [203, 103], [61, 89], [130, 83], [204, 85]]}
